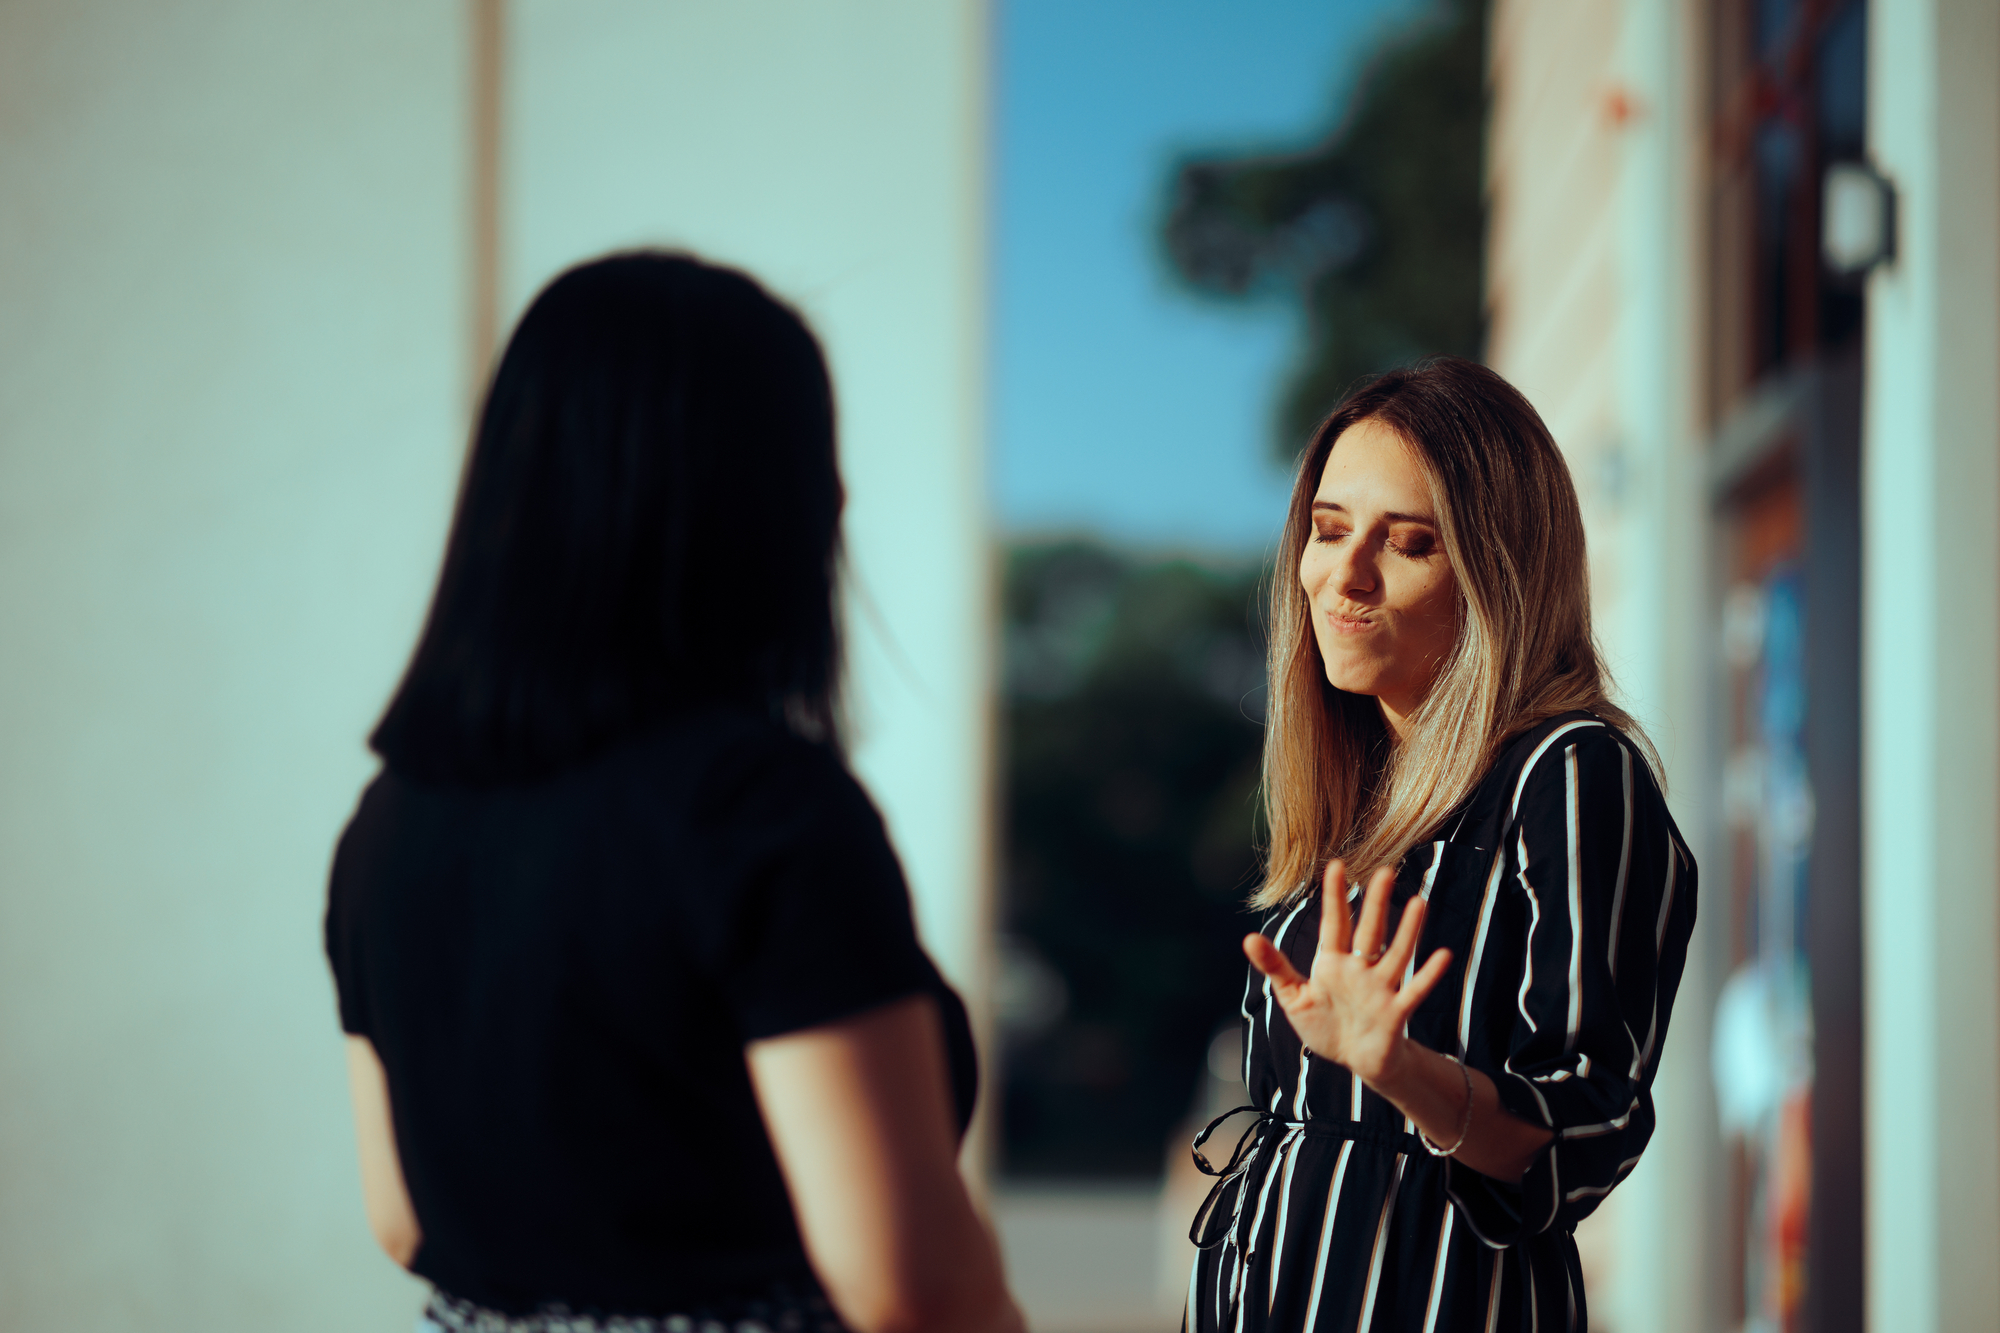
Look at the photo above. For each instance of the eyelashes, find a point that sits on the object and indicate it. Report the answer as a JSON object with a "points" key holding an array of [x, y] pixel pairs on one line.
{"points": [[1421, 549]]}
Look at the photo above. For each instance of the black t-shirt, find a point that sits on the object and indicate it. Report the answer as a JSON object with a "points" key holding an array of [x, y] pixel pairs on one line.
{"points": [[560, 979]]}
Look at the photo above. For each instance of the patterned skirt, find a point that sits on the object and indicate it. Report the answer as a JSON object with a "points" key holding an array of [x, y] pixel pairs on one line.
{"points": [[780, 1311]]}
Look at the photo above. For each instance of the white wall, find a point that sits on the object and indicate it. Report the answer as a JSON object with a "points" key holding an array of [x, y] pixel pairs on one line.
{"points": [[233, 315], [230, 400], [836, 150], [1595, 161], [1930, 663], [1655, 632]]}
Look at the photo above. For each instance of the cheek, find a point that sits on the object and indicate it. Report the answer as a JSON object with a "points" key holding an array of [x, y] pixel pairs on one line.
{"points": [[1440, 612], [1429, 602], [1312, 571]]}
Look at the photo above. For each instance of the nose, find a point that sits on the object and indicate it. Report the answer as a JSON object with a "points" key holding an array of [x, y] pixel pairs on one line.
{"points": [[1354, 571]]}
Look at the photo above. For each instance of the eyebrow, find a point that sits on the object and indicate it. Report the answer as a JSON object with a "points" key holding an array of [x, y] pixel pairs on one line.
{"points": [[1391, 515]]}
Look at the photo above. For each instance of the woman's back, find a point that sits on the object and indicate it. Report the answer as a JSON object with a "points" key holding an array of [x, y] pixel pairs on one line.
{"points": [[638, 1023], [560, 978]]}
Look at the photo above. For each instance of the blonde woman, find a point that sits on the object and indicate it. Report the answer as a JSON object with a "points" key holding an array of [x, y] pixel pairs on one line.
{"points": [[1452, 1067]]}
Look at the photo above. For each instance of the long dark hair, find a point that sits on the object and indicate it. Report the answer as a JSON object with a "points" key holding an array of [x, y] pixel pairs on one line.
{"points": [[1335, 782], [650, 518]]}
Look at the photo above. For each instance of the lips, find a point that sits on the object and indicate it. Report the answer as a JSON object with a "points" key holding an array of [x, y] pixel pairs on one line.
{"points": [[1349, 624]]}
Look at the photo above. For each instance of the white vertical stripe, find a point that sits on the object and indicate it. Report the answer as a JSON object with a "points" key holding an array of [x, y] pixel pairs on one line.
{"points": [[1659, 943], [1410, 967], [1529, 767], [1574, 815], [1222, 1258], [1478, 950], [1270, 1007], [1666, 897], [1296, 1138], [1257, 1221], [1236, 1276], [1624, 866], [1528, 973], [1438, 1268], [1249, 1029], [1493, 1292], [1194, 1294], [1423, 895], [1326, 1233], [1381, 1247], [1534, 922]]}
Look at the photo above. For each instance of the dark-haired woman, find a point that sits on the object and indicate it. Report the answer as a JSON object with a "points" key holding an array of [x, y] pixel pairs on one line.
{"points": [[640, 1034], [1451, 1068]]}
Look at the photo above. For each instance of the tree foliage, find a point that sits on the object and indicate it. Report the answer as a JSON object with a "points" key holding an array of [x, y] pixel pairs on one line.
{"points": [[1379, 229], [1132, 689]]}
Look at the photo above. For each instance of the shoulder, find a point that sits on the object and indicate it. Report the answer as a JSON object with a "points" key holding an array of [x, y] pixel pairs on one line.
{"points": [[707, 750], [391, 813], [709, 769], [1570, 749], [1579, 776], [722, 769]]}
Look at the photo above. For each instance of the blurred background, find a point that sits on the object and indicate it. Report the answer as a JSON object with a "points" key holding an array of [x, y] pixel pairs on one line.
{"points": [[1087, 272]]}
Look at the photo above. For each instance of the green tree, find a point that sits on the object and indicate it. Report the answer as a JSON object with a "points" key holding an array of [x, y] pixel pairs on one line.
{"points": [[1379, 229], [1133, 689]]}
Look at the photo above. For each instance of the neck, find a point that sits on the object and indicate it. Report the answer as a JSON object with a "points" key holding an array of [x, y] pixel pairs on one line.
{"points": [[1396, 713]]}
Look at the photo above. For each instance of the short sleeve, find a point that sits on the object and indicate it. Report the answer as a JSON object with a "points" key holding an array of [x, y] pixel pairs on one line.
{"points": [[819, 929], [343, 943], [1584, 967]]}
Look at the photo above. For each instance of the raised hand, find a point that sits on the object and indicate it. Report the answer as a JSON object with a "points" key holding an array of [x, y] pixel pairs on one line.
{"points": [[1354, 1007]]}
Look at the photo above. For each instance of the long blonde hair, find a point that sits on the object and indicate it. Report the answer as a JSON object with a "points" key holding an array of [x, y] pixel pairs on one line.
{"points": [[1336, 783]]}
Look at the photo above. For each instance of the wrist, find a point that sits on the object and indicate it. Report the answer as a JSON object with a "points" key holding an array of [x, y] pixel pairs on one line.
{"points": [[1441, 1149], [1392, 1072]]}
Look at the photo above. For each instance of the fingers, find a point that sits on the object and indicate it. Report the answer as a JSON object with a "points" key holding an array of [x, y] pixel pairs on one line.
{"points": [[1267, 958], [1335, 927], [1374, 913], [1405, 944], [1426, 979]]}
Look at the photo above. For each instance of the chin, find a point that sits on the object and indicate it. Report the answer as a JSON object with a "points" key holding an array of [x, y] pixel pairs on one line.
{"points": [[1349, 681]]}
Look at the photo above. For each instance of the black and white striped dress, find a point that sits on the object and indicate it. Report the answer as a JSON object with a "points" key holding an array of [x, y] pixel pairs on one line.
{"points": [[1567, 898]]}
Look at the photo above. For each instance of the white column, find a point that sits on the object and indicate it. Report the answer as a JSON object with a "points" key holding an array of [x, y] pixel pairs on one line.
{"points": [[1931, 674], [231, 416], [1663, 1279], [233, 318]]}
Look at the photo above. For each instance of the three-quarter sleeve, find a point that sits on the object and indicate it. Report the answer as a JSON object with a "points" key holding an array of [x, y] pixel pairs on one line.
{"points": [[1581, 956]]}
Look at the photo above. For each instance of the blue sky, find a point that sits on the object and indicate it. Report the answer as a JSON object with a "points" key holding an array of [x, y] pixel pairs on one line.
{"points": [[1123, 404]]}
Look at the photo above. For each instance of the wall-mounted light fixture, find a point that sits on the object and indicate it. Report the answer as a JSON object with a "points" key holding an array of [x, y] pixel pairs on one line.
{"points": [[1857, 219]]}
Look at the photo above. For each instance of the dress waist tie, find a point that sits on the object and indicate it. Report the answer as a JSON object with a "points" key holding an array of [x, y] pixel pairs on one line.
{"points": [[1257, 1150], [1249, 1163]]}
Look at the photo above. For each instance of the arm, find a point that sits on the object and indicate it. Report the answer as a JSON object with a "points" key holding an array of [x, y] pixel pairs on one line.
{"points": [[383, 1193], [1427, 1087], [1354, 1009], [860, 1117]]}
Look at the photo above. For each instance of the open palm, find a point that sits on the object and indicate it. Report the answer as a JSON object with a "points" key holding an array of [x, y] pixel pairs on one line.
{"points": [[1354, 1007]]}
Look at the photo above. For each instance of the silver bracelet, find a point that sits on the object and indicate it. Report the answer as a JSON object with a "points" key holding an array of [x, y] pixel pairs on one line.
{"points": [[1464, 1125]]}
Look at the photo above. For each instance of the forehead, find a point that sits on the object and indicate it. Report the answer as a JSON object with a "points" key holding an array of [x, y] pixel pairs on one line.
{"points": [[1372, 467]]}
